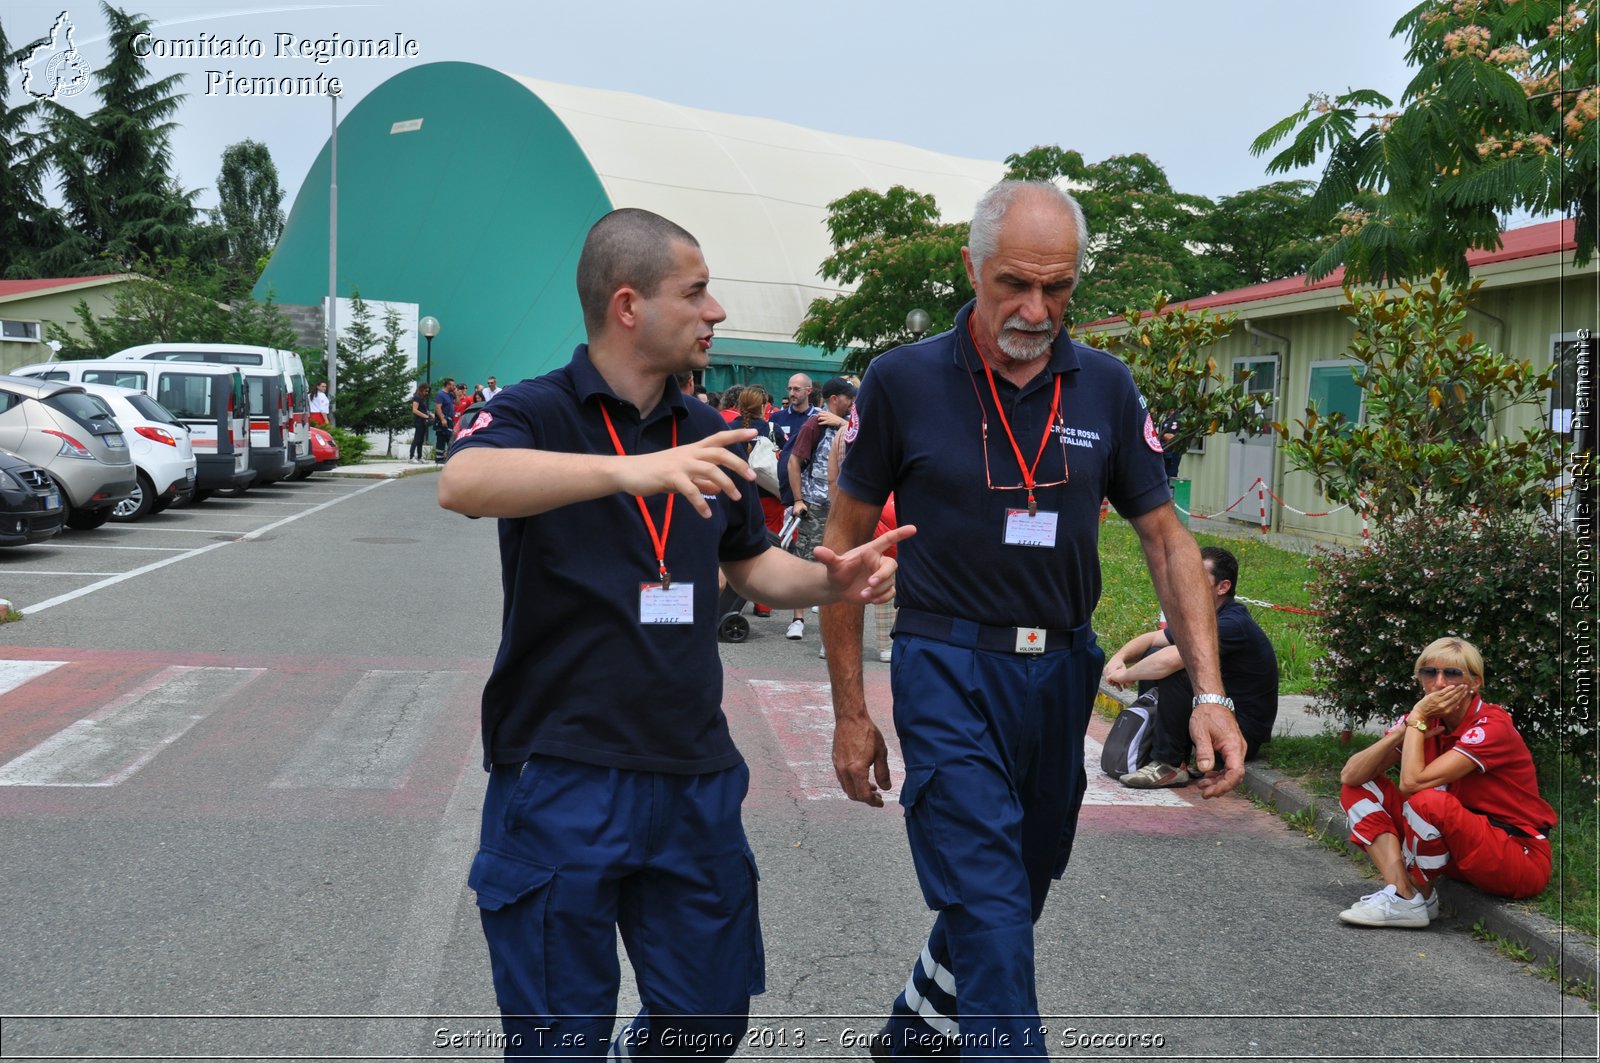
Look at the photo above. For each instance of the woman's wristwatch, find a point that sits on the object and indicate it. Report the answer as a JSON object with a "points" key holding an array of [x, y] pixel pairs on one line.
{"points": [[1420, 726]]}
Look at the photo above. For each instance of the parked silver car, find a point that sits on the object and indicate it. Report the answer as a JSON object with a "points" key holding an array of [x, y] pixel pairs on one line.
{"points": [[71, 435]]}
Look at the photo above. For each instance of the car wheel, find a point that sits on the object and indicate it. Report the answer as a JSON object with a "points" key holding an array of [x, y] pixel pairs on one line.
{"points": [[160, 505], [199, 496], [88, 519], [137, 504]]}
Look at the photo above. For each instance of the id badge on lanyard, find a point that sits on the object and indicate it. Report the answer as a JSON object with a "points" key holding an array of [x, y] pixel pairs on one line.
{"points": [[1030, 529]]}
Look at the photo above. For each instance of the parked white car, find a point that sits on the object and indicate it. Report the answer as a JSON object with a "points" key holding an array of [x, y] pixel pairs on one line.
{"points": [[160, 446]]}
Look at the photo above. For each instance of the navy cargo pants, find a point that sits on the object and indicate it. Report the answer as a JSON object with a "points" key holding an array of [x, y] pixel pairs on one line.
{"points": [[570, 855], [993, 747]]}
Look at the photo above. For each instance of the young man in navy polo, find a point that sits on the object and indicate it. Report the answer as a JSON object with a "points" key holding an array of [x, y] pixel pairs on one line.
{"points": [[999, 438], [614, 789]]}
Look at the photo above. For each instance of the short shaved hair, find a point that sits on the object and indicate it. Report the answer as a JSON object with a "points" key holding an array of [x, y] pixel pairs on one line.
{"points": [[628, 248]]}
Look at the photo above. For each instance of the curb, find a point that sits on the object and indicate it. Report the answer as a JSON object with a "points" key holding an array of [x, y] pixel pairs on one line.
{"points": [[360, 472], [1574, 954]]}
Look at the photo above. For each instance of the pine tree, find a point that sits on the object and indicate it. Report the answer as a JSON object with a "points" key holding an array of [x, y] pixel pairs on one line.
{"points": [[373, 376], [27, 225], [114, 164]]}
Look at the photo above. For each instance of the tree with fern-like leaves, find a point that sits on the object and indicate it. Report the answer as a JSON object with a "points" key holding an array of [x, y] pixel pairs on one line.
{"points": [[1500, 117]]}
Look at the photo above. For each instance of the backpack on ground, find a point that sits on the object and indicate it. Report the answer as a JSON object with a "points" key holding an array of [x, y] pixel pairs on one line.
{"points": [[1133, 732]]}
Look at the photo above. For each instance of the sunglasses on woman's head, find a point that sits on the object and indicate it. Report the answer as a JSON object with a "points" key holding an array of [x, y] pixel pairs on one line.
{"points": [[1434, 673]]}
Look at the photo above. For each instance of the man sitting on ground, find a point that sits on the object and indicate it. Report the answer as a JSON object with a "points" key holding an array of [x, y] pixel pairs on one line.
{"points": [[1249, 675]]}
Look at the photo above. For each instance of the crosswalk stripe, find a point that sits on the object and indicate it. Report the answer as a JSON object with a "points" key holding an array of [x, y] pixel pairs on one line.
{"points": [[124, 735], [374, 735], [801, 716], [1104, 790], [15, 673]]}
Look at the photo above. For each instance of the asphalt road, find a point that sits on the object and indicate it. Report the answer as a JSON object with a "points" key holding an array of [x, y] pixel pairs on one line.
{"points": [[239, 779]]}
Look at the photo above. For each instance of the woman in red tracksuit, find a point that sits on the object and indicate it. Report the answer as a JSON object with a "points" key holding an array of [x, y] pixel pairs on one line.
{"points": [[1467, 805]]}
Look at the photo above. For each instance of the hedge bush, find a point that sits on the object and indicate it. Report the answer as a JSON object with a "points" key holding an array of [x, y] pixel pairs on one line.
{"points": [[1496, 583], [352, 447]]}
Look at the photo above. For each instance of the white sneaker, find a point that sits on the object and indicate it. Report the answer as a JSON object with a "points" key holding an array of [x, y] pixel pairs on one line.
{"points": [[885, 656], [1388, 908], [822, 653], [816, 608], [797, 630]]}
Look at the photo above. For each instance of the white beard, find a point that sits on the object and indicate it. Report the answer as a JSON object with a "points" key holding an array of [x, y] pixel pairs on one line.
{"points": [[1022, 342]]}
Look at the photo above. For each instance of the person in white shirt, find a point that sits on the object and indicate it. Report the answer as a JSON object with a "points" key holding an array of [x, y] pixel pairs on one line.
{"points": [[319, 404], [491, 389]]}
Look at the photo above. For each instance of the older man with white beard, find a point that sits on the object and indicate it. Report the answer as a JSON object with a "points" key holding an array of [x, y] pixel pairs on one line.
{"points": [[999, 438]]}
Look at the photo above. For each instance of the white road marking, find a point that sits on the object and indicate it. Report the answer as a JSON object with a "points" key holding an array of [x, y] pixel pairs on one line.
{"points": [[101, 546], [801, 715], [62, 599], [49, 572], [1104, 790], [15, 673], [126, 734], [374, 735]]}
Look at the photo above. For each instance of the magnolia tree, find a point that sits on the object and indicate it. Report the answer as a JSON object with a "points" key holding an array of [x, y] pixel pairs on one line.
{"points": [[1429, 391], [1166, 352]]}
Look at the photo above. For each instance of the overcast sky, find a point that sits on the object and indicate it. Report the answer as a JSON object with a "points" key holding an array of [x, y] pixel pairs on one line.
{"points": [[1190, 84]]}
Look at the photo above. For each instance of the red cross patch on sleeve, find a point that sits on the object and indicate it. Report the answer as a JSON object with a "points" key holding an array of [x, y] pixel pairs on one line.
{"points": [[1151, 440]]}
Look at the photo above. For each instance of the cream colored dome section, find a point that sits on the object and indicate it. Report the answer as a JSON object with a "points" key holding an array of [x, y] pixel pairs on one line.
{"points": [[754, 191]]}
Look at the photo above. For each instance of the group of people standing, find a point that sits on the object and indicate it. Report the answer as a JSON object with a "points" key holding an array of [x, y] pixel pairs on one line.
{"points": [[613, 802], [440, 411]]}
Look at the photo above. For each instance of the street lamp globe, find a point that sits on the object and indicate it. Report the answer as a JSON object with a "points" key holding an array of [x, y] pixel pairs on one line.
{"points": [[429, 327], [917, 322]]}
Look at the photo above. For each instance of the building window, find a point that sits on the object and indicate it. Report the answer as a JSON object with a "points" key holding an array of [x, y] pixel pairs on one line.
{"points": [[1334, 389], [24, 331]]}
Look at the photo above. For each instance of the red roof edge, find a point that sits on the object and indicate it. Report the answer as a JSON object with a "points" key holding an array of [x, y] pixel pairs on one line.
{"points": [[1545, 238], [45, 284]]}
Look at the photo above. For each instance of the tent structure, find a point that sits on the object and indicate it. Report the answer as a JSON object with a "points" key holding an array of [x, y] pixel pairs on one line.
{"points": [[468, 192]]}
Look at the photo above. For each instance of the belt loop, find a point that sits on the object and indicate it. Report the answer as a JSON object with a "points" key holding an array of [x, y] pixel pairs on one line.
{"points": [[963, 632]]}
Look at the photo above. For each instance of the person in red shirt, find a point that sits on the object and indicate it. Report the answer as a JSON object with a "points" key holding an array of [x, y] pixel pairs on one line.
{"points": [[1467, 806]]}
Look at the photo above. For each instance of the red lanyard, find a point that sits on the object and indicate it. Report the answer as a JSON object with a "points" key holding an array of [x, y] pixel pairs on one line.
{"points": [[1050, 422], [659, 541]]}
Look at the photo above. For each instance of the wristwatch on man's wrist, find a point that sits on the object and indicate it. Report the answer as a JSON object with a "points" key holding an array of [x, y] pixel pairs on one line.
{"points": [[1212, 699]]}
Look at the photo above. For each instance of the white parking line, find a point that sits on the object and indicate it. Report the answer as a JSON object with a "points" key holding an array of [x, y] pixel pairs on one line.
{"points": [[46, 572], [188, 531], [97, 546], [62, 599]]}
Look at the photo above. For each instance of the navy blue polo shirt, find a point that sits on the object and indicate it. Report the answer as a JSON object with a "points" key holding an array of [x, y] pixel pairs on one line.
{"points": [[1249, 668], [922, 410], [578, 676]]}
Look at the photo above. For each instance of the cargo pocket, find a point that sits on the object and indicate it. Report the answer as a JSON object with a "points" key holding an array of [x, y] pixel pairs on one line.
{"points": [[758, 951], [927, 826], [513, 896]]}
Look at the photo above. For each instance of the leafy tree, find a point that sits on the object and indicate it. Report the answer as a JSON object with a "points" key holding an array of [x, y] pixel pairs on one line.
{"points": [[1142, 232], [250, 206], [1429, 391], [174, 302], [893, 247], [373, 376], [1166, 352], [1265, 233], [1499, 117], [121, 201]]}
